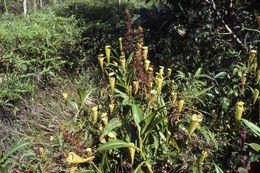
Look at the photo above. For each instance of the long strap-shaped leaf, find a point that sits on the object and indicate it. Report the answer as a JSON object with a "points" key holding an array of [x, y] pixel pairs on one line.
{"points": [[139, 170], [149, 120], [137, 115], [18, 146], [116, 144], [254, 128], [112, 124]]}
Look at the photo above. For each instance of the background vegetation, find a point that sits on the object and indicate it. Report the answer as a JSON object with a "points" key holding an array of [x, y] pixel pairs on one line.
{"points": [[204, 69]]}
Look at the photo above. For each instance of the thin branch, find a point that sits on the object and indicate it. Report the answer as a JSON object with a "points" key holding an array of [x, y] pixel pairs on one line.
{"points": [[213, 4], [249, 29]]}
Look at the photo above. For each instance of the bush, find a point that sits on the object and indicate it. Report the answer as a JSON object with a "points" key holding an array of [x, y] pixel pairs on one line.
{"points": [[35, 49]]}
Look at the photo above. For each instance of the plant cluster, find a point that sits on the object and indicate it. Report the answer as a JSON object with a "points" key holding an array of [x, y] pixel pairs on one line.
{"points": [[150, 120], [145, 112]]}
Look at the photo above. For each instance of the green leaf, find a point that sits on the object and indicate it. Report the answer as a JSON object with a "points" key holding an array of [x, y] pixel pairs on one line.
{"points": [[73, 104], [130, 58], [151, 121], [149, 166], [220, 75], [208, 135], [138, 168], [175, 145], [217, 169], [15, 148], [114, 144], [83, 97], [122, 95], [255, 146], [204, 76], [204, 131], [254, 128], [180, 75], [198, 72], [112, 124], [137, 115], [156, 142]]}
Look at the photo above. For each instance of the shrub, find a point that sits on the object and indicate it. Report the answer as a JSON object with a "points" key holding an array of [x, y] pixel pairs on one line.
{"points": [[35, 49]]}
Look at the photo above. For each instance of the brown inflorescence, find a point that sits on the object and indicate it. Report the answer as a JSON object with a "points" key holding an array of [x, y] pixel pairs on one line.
{"points": [[141, 76], [128, 38], [73, 141]]}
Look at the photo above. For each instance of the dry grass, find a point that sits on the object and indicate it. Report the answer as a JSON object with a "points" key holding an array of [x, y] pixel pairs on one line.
{"points": [[40, 119]]}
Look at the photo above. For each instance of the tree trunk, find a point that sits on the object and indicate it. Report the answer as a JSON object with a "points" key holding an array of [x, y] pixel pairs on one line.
{"points": [[41, 3], [6, 9], [24, 7], [34, 5]]}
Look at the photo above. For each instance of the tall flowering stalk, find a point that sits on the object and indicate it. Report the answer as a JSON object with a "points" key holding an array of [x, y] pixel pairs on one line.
{"points": [[111, 107], [153, 98], [65, 97], [94, 114], [136, 86], [173, 98], [112, 81], [169, 72], [180, 106], [243, 81], [257, 18], [102, 140], [108, 52], [255, 96], [150, 76], [161, 70], [257, 76], [172, 83], [168, 135], [203, 156], [146, 65], [195, 122], [130, 91], [239, 109], [252, 55], [100, 128], [132, 153], [159, 82], [120, 41], [104, 118], [123, 63], [111, 136], [150, 73], [145, 52], [101, 61]]}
